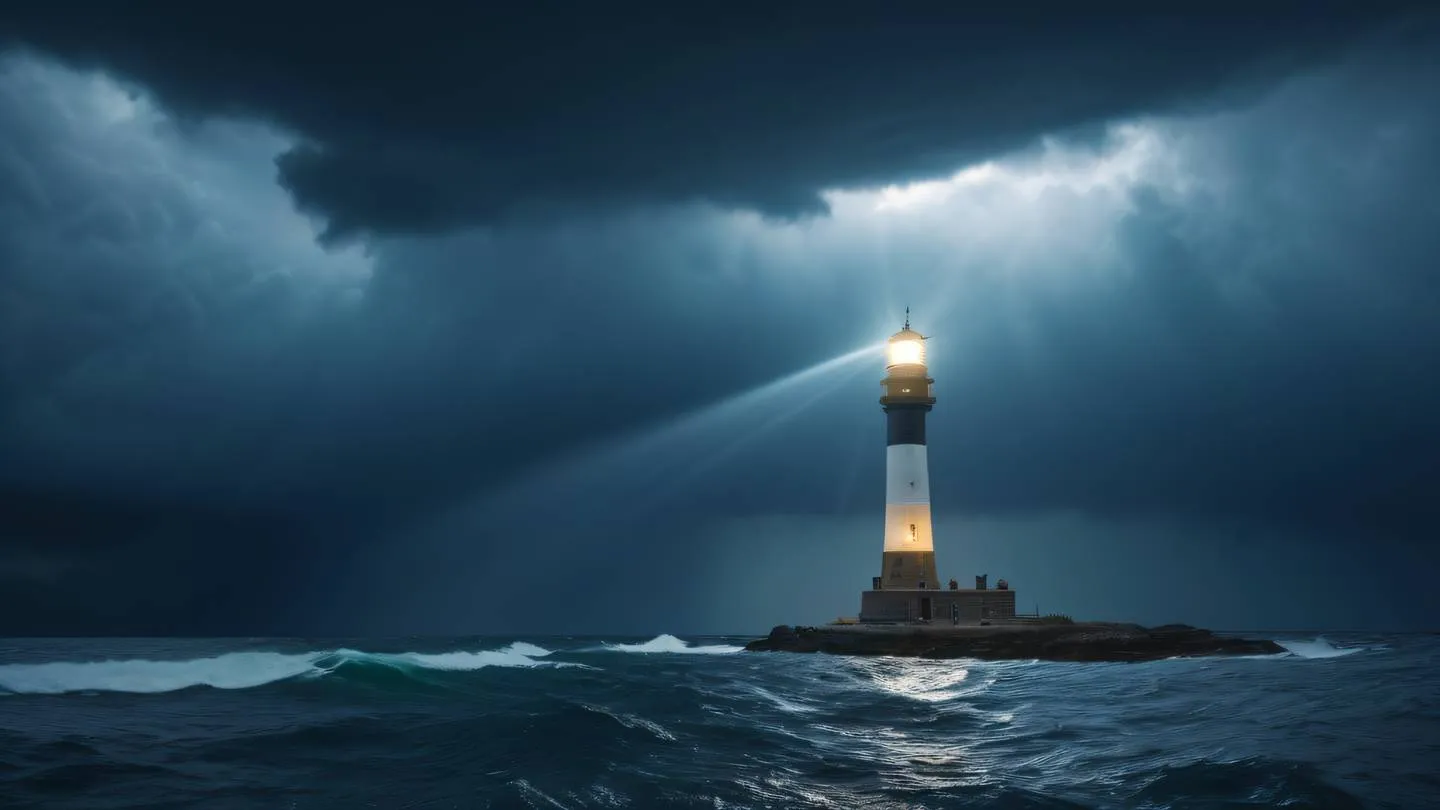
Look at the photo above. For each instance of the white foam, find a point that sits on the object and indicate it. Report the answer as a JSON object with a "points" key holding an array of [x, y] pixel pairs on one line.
{"points": [[240, 670], [519, 654], [1319, 648], [667, 643], [528, 650], [789, 706]]}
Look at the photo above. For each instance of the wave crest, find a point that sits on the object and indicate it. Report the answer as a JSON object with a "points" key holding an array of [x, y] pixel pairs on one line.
{"points": [[667, 643], [1318, 648], [244, 670]]}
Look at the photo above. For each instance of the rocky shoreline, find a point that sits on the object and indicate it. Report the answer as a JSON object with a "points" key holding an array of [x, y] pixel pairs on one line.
{"points": [[1081, 641]]}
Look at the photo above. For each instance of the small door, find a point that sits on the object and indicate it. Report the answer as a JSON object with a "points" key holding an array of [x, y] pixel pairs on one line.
{"points": [[925, 609]]}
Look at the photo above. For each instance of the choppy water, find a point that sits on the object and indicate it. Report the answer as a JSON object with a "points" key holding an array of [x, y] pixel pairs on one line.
{"points": [[1343, 722]]}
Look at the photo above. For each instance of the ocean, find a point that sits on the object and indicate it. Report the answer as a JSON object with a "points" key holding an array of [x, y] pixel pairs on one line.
{"points": [[1341, 721]]}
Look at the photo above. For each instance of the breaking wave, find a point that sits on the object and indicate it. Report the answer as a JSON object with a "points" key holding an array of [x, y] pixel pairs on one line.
{"points": [[1318, 648], [246, 670], [667, 643]]}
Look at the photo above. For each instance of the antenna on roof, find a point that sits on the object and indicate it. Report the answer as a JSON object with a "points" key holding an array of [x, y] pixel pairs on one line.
{"points": [[907, 317]]}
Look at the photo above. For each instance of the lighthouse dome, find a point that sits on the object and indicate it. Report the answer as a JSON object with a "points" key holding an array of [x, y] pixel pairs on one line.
{"points": [[905, 348]]}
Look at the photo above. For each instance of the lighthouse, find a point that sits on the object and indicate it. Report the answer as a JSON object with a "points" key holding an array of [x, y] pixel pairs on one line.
{"points": [[909, 393], [908, 588]]}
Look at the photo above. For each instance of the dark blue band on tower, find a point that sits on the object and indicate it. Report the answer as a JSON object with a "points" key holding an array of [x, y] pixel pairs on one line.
{"points": [[905, 424]]}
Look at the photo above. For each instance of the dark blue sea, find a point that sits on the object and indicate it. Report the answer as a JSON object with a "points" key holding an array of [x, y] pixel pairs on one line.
{"points": [[1342, 721]]}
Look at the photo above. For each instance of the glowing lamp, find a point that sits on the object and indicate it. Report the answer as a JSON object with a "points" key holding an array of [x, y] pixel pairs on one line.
{"points": [[906, 348]]}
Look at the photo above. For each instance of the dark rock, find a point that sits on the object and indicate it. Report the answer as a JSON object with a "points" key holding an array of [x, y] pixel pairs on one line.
{"points": [[1092, 641]]}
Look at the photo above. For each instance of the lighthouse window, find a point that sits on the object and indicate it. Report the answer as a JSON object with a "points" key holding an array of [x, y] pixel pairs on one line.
{"points": [[904, 390]]}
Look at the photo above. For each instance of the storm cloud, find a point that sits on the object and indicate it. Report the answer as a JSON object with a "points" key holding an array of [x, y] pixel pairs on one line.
{"points": [[443, 117], [1195, 302]]}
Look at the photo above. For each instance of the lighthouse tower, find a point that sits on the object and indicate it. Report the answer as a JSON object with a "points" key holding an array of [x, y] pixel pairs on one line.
{"points": [[908, 589], [909, 557]]}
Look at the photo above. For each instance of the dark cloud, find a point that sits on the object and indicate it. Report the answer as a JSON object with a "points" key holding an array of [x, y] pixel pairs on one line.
{"points": [[1214, 328], [193, 396], [1267, 350], [431, 120]]}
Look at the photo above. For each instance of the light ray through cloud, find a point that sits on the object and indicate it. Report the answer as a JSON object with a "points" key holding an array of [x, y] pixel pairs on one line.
{"points": [[689, 445]]}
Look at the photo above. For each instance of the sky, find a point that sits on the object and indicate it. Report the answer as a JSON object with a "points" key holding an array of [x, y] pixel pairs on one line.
{"points": [[561, 319]]}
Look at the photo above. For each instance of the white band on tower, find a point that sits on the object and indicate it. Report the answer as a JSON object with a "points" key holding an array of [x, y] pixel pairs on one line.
{"points": [[907, 499]]}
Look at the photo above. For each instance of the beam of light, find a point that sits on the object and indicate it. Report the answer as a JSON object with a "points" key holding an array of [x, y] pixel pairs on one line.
{"points": [[728, 410], [779, 415], [669, 451], [611, 483]]}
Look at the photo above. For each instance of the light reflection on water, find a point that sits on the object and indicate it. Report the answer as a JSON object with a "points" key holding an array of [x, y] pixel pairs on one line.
{"points": [[928, 681]]}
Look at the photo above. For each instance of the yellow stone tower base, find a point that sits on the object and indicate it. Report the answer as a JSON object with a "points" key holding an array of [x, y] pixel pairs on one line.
{"points": [[909, 569]]}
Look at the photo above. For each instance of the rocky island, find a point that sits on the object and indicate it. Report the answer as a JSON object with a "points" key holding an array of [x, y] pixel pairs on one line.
{"points": [[1077, 641]]}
